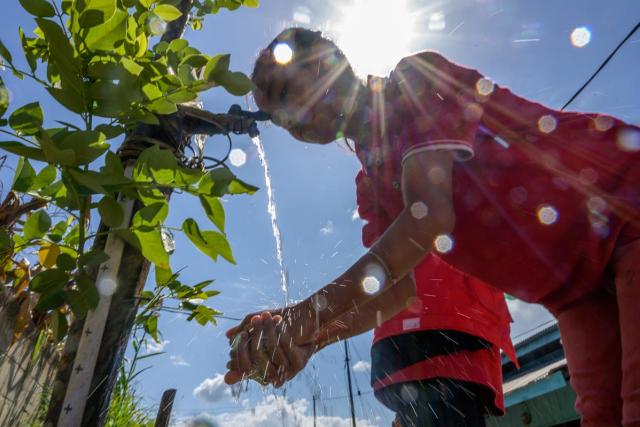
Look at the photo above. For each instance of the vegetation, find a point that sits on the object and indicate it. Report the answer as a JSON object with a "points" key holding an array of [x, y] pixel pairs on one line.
{"points": [[103, 63]]}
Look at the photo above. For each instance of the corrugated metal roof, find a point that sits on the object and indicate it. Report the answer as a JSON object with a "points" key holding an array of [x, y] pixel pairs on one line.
{"points": [[531, 377]]}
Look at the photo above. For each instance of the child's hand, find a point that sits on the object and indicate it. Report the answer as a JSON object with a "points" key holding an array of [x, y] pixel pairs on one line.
{"points": [[264, 350]]}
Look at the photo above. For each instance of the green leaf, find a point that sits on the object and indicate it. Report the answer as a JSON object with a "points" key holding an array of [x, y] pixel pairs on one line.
{"points": [[27, 119], [60, 326], [151, 327], [53, 153], [155, 164], [167, 12], [111, 212], [86, 145], [96, 12], [88, 290], [66, 262], [149, 243], [49, 300], [58, 231], [210, 243], [217, 65], [203, 315], [4, 52], [92, 258], [45, 177], [76, 303], [162, 106], [40, 8], [4, 98], [63, 55], [73, 236], [24, 176], [37, 225], [49, 280], [150, 216], [221, 181], [105, 36], [110, 131], [131, 66], [22, 150], [235, 82], [251, 3], [69, 99], [214, 210]]}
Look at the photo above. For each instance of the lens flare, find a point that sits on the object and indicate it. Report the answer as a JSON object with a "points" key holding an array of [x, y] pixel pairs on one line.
{"points": [[547, 214], [419, 210], [547, 123], [484, 87], [443, 243], [374, 278], [629, 139], [283, 53], [580, 37], [107, 286], [237, 157]]}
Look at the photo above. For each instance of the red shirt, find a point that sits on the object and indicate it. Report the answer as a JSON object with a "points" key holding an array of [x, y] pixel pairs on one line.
{"points": [[540, 195]]}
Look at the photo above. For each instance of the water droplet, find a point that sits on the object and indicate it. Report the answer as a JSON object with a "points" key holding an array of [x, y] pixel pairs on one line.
{"points": [[107, 286], [580, 37], [282, 53], [419, 210], [603, 123], [443, 243], [547, 123], [484, 86], [629, 139], [237, 157], [547, 214]]}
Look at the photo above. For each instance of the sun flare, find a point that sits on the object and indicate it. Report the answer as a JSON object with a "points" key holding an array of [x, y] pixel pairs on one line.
{"points": [[375, 34]]}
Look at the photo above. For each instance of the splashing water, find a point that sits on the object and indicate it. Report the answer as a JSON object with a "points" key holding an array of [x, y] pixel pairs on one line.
{"points": [[271, 209]]}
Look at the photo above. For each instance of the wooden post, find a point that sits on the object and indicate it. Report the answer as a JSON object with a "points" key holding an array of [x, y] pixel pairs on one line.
{"points": [[164, 411]]}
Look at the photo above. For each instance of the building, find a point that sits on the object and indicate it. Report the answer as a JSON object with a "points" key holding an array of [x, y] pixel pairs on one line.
{"points": [[538, 394]]}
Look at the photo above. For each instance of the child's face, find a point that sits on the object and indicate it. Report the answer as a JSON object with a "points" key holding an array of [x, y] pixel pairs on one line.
{"points": [[298, 96]]}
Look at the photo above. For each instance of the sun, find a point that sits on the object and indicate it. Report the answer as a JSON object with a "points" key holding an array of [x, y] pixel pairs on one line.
{"points": [[375, 34]]}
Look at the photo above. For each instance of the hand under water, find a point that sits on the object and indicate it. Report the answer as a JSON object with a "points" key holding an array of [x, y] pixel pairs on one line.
{"points": [[264, 349]]}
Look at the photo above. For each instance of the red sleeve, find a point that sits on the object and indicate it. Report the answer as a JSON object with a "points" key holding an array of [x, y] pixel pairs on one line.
{"points": [[440, 108], [376, 220]]}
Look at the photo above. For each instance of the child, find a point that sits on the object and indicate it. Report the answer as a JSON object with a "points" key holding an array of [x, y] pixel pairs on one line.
{"points": [[539, 203]]}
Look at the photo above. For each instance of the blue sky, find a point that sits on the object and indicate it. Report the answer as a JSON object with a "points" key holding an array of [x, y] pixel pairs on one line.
{"points": [[521, 44]]}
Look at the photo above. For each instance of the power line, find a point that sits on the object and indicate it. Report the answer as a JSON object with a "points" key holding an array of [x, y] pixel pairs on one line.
{"points": [[604, 64]]}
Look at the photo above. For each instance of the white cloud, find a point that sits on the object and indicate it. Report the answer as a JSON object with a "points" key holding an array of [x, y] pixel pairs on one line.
{"points": [[212, 390], [328, 229], [155, 347], [362, 366], [526, 318], [269, 413], [177, 360]]}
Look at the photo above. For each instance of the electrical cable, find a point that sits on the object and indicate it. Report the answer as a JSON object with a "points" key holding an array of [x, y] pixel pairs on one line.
{"points": [[604, 64]]}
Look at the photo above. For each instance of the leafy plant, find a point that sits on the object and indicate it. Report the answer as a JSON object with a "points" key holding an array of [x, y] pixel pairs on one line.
{"points": [[126, 407], [98, 60]]}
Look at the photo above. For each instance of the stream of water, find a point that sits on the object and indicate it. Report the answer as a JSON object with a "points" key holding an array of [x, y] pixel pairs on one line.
{"points": [[271, 210]]}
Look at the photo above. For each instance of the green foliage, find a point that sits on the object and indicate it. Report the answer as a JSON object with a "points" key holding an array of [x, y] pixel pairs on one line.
{"points": [[97, 59], [126, 407]]}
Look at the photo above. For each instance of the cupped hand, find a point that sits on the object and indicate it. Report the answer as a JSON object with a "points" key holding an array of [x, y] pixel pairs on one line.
{"points": [[264, 349]]}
